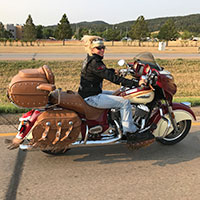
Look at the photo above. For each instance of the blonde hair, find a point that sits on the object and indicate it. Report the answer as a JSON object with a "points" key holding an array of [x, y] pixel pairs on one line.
{"points": [[88, 39]]}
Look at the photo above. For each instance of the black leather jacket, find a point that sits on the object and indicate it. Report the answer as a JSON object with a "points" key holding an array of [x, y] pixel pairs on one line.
{"points": [[92, 74]]}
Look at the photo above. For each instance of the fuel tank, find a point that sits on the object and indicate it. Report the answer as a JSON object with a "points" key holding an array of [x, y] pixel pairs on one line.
{"points": [[137, 95]]}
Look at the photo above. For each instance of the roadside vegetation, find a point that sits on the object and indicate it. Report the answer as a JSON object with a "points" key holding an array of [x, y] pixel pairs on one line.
{"points": [[185, 72], [166, 29]]}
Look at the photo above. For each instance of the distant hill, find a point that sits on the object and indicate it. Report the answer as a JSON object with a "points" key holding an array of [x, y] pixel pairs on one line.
{"points": [[189, 22], [95, 25]]}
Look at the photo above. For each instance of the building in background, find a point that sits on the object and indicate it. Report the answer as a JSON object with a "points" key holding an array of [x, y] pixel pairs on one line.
{"points": [[19, 32], [16, 31], [12, 29]]}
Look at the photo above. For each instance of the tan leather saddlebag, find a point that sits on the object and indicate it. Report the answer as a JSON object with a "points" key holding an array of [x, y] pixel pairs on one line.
{"points": [[55, 130], [26, 89]]}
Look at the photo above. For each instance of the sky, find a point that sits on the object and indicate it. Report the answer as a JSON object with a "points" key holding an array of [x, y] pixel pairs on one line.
{"points": [[49, 12]]}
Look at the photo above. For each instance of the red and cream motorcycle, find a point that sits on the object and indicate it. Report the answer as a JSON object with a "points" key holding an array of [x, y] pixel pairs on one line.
{"points": [[62, 118]]}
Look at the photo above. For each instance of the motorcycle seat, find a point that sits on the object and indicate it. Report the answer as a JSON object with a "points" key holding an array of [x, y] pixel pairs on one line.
{"points": [[73, 101]]}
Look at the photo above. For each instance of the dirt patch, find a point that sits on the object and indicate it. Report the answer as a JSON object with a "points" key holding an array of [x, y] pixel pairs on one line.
{"points": [[196, 111], [8, 119]]}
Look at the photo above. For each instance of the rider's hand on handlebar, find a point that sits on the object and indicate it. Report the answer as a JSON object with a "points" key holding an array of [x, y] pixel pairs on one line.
{"points": [[142, 82]]}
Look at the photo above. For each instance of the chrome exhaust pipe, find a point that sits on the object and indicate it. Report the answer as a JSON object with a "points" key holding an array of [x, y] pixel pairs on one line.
{"points": [[103, 140]]}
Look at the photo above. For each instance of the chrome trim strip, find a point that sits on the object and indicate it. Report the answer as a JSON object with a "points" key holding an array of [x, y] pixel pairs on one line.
{"points": [[103, 140], [86, 135]]}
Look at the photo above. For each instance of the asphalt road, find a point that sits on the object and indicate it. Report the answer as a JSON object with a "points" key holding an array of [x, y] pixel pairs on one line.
{"points": [[104, 172], [71, 56]]}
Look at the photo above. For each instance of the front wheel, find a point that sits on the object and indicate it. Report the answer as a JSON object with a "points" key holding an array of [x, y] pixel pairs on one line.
{"points": [[173, 138]]}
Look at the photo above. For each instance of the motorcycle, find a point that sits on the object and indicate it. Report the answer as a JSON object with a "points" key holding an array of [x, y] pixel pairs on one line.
{"points": [[67, 120]]}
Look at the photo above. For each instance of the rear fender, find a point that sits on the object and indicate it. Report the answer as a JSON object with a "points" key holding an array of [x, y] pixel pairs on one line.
{"points": [[30, 117], [181, 112]]}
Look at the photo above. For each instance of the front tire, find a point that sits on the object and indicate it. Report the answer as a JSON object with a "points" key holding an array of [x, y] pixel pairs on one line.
{"points": [[173, 138]]}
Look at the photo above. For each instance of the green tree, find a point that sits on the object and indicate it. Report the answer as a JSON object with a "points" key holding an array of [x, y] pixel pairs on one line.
{"points": [[48, 32], [112, 34], [168, 32], [4, 33], [139, 30], [29, 30], [154, 35], [64, 30], [39, 32], [80, 32], [186, 35]]}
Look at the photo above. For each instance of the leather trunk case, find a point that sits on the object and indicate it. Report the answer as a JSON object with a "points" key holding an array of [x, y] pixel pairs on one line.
{"points": [[56, 129], [23, 87]]}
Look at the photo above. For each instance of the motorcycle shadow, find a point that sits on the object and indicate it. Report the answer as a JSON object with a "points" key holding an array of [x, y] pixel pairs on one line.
{"points": [[157, 153]]}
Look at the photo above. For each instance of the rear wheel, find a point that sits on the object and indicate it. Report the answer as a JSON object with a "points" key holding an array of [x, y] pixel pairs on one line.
{"points": [[173, 138]]}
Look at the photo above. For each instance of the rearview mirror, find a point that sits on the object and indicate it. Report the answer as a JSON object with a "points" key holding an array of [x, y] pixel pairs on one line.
{"points": [[121, 62]]}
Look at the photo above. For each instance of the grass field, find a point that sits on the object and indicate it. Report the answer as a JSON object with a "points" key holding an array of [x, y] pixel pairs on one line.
{"points": [[186, 72], [67, 73]]}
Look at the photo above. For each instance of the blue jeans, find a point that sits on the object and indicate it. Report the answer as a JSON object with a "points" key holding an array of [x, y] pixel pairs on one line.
{"points": [[107, 101]]}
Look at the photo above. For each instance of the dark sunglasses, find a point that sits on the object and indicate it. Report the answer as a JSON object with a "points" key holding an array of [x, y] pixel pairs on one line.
{"points": [[99, 48]]}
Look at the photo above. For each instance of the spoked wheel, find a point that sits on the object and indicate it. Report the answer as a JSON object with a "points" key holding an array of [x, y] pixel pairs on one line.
{"points": [[173, 138]]}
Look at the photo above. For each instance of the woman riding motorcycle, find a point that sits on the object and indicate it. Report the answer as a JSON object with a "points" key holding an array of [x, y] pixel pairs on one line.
{"points": [[93, 73]]}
